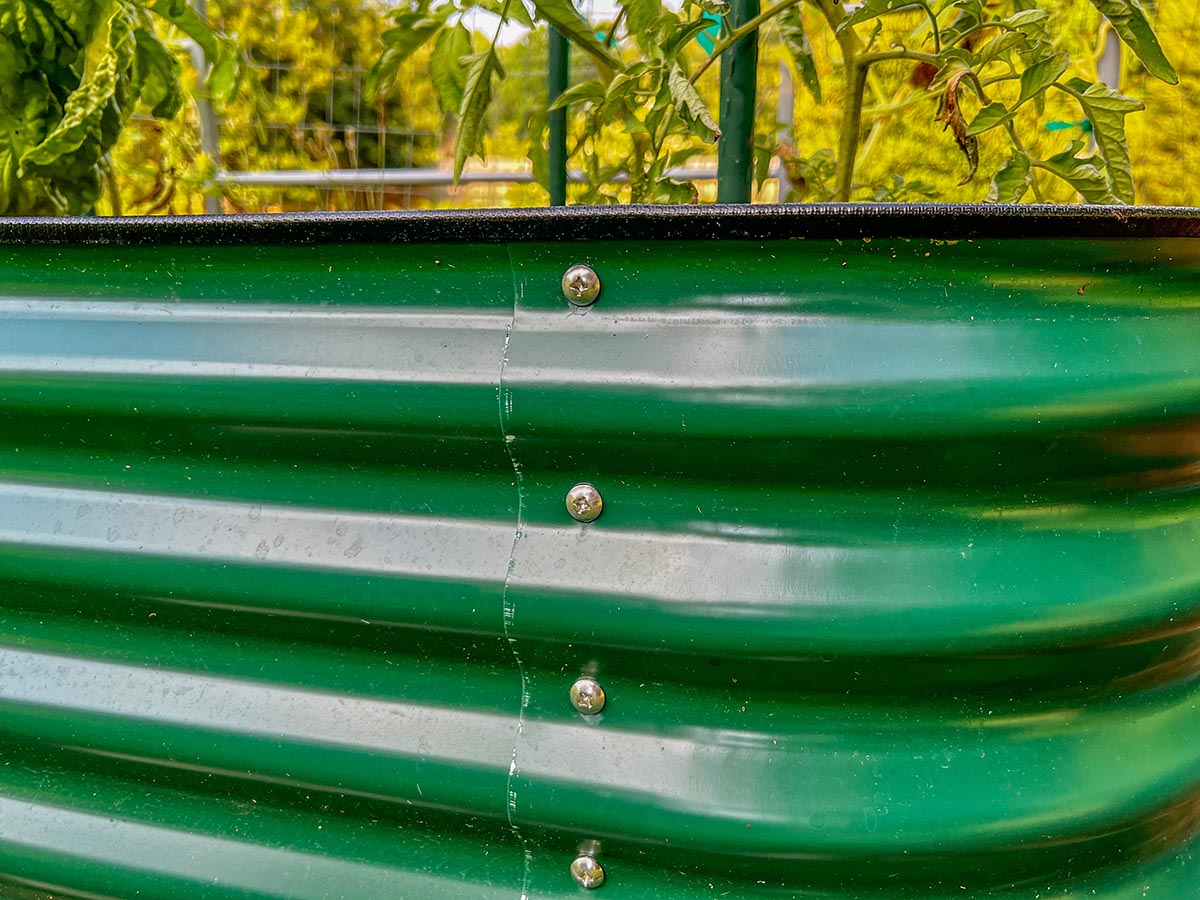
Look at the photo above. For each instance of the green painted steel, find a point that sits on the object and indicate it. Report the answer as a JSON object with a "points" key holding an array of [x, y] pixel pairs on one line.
{"points": [[558, 65], [894, 595], [739, 88]]}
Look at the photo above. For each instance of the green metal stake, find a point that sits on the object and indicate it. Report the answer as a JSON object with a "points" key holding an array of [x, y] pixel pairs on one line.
{"points": [[735, 149], [559, 64]]}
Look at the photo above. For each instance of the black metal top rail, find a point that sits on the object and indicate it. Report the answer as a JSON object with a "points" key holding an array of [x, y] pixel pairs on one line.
{"points": [[847, 221]]}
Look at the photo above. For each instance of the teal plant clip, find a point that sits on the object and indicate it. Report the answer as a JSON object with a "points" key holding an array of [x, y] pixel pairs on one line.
{"points": [[709, 36]]}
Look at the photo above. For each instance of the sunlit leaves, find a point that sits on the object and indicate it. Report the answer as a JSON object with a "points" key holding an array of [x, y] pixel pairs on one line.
{"points": [[412, 30], [225, 59], [563, 15], [989, 117], [1013, 180], [1129, 21], [691, 107], [73, 73], [791, 30], [482, 69], [873, 9], [446, 68], [642, 84], [1085, 174], [157, 71], [1042, 74], [1106, 109]]}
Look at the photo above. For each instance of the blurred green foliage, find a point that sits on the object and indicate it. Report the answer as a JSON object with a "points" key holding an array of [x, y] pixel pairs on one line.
{"points": [[72, 73], [308, 52]]}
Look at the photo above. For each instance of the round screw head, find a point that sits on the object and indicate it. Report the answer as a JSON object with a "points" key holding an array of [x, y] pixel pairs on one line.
{"points": [[584, 503], [587, 872], [587, 696], [581, 285]]}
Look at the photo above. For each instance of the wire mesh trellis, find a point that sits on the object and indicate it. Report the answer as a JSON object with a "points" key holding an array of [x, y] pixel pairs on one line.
{"points": [[311, 140], [308, 137]]}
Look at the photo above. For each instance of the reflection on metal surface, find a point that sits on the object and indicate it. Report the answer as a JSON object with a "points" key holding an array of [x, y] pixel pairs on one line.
{"points": [[896, 582], [587, 872]]}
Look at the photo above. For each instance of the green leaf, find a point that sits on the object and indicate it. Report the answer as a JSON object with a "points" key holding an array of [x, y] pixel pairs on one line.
{"points": [[989, 117], [167, 7], [563, 15], [1027, 18], [519, 14], [412, 31], [83, 119], [1041, 75], [8, 183], [156, 75], [617, 98], [1130, 22], [1081, 173], [973, 9], [673, 193], [691, 107], [764, 152], [791, 29], [680, 33], [641, 17], [223, 77], [446, 69], [585, 92], [873, 9], [1107, 109], [683, 155], [224, 57], [1012, 182], [482, 68], [189, 22], [382, 77], [513, 11], [998, 47]]}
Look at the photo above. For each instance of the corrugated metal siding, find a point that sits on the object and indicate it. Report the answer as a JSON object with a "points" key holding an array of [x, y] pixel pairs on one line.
{"points": [[894, 594]]}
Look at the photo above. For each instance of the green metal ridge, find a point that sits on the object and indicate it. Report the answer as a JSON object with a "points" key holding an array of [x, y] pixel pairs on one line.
{"points": [[894, 594]]}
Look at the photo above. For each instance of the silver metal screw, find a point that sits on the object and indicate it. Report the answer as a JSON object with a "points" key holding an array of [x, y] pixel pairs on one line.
{"points": [[581, 285], [587, 872], [587, 696], [584, 502]]}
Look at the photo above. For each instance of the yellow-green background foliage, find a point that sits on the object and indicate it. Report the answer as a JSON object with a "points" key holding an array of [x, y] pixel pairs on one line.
{"points": [[310, 56], [901, 136]]}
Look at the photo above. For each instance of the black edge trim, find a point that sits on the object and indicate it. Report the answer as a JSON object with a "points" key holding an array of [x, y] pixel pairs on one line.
{"points": [[632, 223]]}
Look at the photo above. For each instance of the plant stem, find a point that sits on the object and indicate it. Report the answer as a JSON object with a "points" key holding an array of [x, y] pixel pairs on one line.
{"points": [[1012, 133], [612, 32], [852, 48], [740, 32], [856, 81], [910, 100], [500, 24], [111, 185], [857, 65], [869, 59], [937, 35]]}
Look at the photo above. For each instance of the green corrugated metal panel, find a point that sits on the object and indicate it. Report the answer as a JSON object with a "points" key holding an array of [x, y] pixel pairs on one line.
{"points": [[894, 594]]}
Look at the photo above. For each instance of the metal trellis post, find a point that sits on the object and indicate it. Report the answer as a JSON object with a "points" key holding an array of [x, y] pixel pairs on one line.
{"points": [[735, 149], [557, 151]]}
